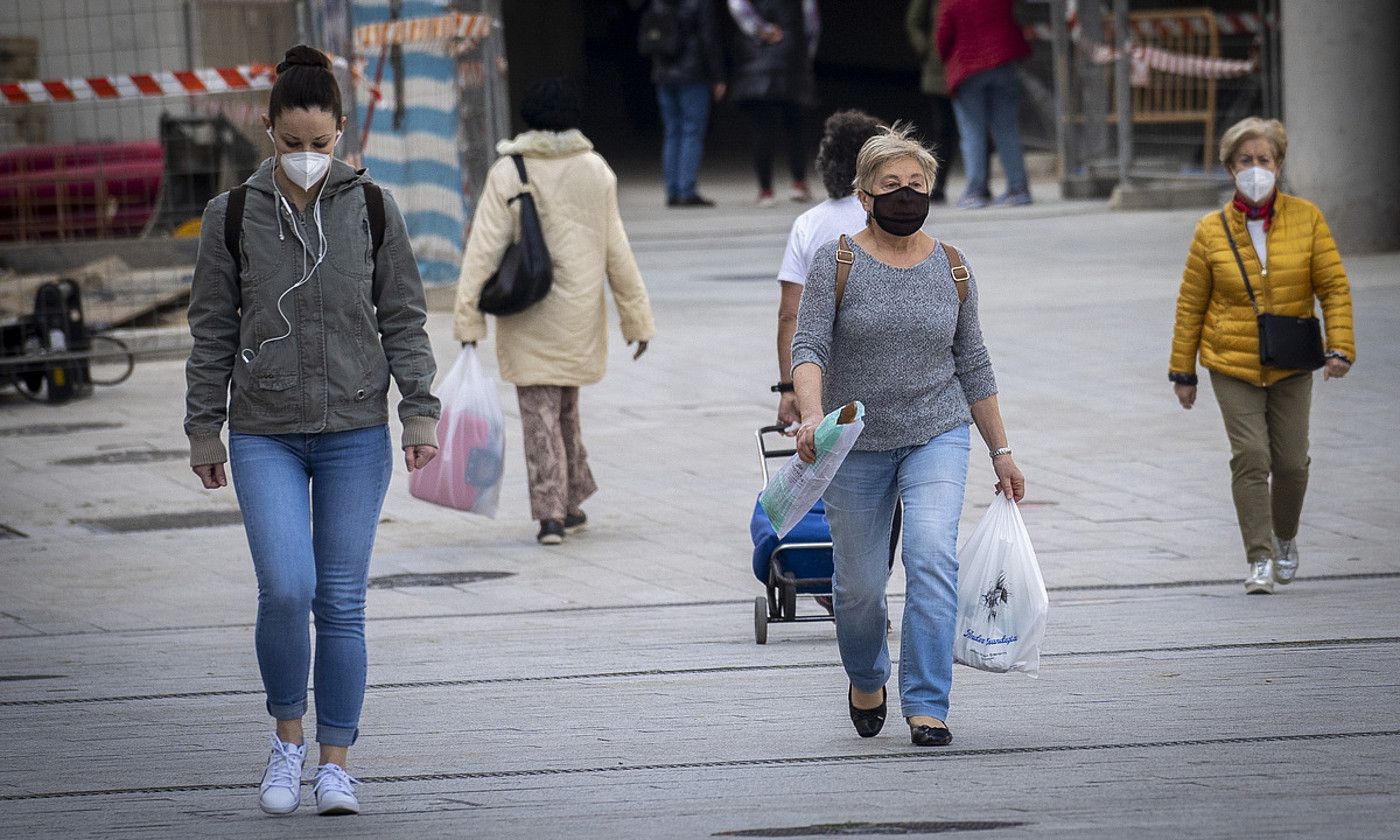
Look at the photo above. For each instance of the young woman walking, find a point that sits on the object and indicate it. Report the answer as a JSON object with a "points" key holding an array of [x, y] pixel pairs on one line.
{"points": [[306, 299]]}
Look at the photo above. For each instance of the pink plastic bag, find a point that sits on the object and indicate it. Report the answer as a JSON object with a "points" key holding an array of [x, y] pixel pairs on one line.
{"points": [[466, 474]]}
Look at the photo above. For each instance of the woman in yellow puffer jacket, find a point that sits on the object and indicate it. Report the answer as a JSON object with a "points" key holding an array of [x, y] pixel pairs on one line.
{"points": [[1287, 250]]}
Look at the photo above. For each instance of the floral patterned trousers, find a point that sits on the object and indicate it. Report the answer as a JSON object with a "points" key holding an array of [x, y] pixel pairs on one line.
{"points": [[555, 460]]}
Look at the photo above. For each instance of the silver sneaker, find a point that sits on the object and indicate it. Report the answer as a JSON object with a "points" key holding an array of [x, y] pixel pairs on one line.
{"points": [[1261, 578], [1286, 566], [334, 792], [280, 792]]}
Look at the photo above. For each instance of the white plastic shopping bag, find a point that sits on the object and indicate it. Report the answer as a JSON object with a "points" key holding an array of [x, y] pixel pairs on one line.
{"points": [[466, 474], [793, 490], [1002, 602]]}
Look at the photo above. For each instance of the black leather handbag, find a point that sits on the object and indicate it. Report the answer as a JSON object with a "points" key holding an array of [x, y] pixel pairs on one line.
{"points": [[525, 273], [1285, 342]]}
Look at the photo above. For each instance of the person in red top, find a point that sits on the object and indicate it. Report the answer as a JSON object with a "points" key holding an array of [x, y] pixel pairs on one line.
{"points": [[980, 44]]}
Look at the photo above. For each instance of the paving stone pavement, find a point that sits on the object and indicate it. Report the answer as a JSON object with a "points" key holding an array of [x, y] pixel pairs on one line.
{"points": [[611, 687]]}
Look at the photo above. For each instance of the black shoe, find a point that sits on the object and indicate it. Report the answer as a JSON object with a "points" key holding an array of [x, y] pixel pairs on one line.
{"points": [[575, 522], [693, 201], [930, 736], [551, 532], [868, 722]]}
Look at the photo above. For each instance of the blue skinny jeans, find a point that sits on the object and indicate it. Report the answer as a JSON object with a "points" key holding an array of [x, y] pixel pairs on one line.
{"points": [[311, 506], [929, 480]]}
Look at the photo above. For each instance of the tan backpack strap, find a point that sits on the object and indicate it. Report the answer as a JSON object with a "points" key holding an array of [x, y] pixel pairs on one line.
{"points": [[960, 273], [845, 258]]}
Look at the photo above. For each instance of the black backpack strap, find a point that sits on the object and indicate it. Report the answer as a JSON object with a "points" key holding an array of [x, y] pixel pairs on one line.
{"points": [[374, 205], [233, 222]]}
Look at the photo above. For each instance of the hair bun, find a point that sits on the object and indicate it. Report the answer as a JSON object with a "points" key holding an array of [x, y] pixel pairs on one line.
{"points": [[303, 56]]}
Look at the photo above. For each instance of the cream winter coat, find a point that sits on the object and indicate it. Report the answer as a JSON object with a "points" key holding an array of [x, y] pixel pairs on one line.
{"points": [[562, 340]]}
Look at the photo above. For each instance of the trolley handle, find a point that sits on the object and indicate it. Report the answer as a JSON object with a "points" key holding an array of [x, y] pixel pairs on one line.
{"points": [[764, 453]]}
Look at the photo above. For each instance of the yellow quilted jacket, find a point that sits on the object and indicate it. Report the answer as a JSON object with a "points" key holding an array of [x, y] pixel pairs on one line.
{"points": [[1213, 314]]}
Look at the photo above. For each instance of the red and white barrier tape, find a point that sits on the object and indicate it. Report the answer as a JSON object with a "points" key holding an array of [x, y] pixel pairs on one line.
{"points": [[422, 29], [1145, 58], [136, 85], [470, 27]]}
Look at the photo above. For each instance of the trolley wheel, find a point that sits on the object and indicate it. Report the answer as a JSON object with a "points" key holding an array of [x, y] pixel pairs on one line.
{"points": [[760, 620], [27, 388], [790, 602], [110, 361]]}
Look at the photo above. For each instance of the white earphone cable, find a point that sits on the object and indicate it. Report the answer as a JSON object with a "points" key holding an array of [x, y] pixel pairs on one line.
{"points": [[248, 354]]}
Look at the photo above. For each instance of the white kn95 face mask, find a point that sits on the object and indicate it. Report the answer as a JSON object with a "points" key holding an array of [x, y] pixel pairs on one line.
{"points": [[1255, 183], [305, 169]]}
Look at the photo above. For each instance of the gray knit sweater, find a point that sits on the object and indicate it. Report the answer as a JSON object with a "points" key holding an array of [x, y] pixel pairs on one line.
{"points": [[900, 345]]}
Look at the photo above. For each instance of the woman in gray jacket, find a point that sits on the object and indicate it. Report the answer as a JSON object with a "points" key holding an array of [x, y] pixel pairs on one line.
{"points": [[306, 298]]}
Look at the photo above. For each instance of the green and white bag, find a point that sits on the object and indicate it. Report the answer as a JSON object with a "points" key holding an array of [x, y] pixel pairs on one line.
{"points": [[793, 490]]}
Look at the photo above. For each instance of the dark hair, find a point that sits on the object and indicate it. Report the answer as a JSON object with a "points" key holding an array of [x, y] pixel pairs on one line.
{"points": [[842, 136], [550, 105], [304, 80]]}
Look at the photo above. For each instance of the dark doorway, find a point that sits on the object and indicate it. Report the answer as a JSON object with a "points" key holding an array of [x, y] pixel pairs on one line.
{"points": [[863, 61]]}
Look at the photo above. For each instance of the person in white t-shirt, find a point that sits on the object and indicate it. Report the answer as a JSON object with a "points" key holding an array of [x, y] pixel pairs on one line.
{"points": [[842, 136]]}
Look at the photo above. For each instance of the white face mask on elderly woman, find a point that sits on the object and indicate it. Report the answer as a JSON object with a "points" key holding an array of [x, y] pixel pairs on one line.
{"points": [[1254, 183]]}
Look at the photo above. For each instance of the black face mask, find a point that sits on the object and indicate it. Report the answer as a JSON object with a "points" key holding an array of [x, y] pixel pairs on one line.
{"points": [[900, 212]]}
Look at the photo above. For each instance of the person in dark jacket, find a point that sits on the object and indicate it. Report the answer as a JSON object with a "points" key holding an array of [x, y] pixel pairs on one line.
{"points": [[687, 71], [299, 323], [981, 44], [773, 84]]}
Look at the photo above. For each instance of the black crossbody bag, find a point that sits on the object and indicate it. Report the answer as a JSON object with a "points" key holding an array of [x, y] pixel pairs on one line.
{"points": [[1285, 342]]}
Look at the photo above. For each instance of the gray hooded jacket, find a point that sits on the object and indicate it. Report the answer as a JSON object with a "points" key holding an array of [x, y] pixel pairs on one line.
{"points": [[355, 322]]}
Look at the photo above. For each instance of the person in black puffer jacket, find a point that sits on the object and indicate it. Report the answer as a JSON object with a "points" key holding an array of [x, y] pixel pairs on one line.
{"points": [[687, 66], [773, 82]]}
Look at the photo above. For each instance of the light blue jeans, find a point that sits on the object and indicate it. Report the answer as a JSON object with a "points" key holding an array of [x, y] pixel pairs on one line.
{"points": [[990, 102], [860, 502], [311, 507]]}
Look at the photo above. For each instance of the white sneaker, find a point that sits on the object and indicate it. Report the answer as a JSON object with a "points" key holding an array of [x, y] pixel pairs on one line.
{"points": [[334, 794], [1261, 578], [1286, 566], [280, 792]]}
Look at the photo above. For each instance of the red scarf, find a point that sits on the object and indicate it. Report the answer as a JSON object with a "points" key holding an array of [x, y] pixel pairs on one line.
{"points": [[1264, 211]]}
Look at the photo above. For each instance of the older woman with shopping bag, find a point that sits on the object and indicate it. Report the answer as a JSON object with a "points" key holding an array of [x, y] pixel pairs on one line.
{"points": [[889, 317], [559, 343], [1253, 276]]}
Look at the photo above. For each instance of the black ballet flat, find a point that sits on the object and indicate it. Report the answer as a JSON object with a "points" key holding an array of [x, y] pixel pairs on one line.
{"points": [[868, 722], [930, 736]]}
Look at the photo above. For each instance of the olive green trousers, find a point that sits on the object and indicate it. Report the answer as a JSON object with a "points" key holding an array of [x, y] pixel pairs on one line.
{"points": [[1268, 431]]}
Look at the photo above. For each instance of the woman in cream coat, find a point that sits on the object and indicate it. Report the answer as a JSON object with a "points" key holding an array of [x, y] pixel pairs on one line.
{"points": [[560, 343]]}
